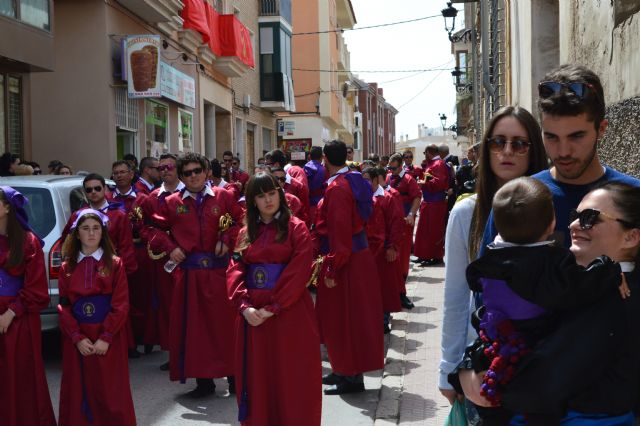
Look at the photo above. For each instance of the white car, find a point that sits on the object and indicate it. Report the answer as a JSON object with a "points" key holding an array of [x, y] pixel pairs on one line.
{"points": [[52, 200]]}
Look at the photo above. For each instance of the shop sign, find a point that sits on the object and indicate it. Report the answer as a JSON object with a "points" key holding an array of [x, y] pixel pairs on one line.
{"points": [[142, 54], [298, 148], [286, 128], [177, 86]]}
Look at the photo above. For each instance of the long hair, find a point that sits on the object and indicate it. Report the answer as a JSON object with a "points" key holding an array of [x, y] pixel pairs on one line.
{"points": [[626, 199], [15, 234], [72, 245], [259, 184], [487, 183]]}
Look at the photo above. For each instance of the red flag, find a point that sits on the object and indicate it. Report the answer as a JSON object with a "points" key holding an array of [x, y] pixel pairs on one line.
{"points": [[194, 15], [235, 39], [214, 39]]}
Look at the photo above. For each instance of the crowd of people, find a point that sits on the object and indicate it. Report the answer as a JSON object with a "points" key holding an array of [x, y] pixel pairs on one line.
{"points": [[244, 275]]}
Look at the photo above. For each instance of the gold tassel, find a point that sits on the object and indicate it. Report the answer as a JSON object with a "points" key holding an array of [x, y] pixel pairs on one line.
{"points": [[317, 266], [153, 256], [225, 222]]}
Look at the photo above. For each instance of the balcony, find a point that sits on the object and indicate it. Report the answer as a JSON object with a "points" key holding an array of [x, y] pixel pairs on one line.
{"points": [[276, 92], [344, 56], [165, 13], [276, 8]]}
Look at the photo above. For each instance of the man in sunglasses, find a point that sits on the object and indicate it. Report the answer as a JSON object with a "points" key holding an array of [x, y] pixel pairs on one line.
{"points": [[572, 110], [408, 167], [218, 180], [237, 174], [202, 327], [149, 176], [406, 185]]}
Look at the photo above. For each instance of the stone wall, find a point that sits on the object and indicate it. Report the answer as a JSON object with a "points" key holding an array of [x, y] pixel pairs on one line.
{"points": [[620, 147]]}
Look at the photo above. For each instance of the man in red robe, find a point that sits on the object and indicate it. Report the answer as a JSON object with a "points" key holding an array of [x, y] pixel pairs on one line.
{"points": [[124, 192], [237, 174], [294, 203], [202, 321], [429, 243], [406, 185], [161, 289], [149, 175], [348, 310], [408, 167]]}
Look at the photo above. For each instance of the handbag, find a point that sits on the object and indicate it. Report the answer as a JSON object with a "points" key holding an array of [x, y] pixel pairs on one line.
{"points": [[457, 415]]}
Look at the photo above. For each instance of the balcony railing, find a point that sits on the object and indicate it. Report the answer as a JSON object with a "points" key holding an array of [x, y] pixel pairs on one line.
{"points": [[276, 8]]}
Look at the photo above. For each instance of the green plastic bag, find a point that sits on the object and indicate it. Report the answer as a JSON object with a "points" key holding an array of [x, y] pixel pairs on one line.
{"points": [[457, 416]]}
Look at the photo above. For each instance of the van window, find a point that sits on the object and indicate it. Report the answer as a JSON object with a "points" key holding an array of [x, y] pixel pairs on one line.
{"points": [[77, 199], [42, 216]]}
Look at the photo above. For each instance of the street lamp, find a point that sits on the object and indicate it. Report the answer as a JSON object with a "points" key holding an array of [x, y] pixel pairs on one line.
{"points": [[456, 73], [443, 120], [449, 14]]}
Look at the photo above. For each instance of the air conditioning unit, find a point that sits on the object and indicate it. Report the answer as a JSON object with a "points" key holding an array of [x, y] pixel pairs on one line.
{"points": [[246, 101]]}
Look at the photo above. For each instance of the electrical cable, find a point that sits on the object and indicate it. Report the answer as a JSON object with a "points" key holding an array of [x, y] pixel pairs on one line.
{"points": [[373, 71], [421, 91], [341, 30]]}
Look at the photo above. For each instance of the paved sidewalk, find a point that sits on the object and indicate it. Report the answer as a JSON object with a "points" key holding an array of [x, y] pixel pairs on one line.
{"points": [[409, 393]]}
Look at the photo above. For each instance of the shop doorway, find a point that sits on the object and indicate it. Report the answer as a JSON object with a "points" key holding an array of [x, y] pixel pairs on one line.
{"points": [[125, 143]]}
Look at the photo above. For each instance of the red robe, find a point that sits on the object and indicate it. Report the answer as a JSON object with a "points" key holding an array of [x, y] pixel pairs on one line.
{"points": [[295, 205], [348, 314], [284, 380], [239, 176], [298, 189], [24, 398], [127, 198], [210, 318], [409, 190], [106, 377], [141, 188], [298, 174], [429, 243]]}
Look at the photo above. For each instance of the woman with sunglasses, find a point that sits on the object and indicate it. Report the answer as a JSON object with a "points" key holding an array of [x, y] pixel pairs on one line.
{"points": [[511, 147], [23, 294], [93, 309], [266, 282]]}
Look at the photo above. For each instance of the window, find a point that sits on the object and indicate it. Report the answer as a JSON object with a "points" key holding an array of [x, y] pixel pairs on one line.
{"points": [[157, 123], [8, 8], [185, 135], [266, 139], [11, 133], [32, 12], [39, 209], [462, 65]]}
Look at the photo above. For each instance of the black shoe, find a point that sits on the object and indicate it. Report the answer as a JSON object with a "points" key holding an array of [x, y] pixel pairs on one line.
{"points": [[331, 379], [133, 353], [405, 302], [387, 329], [201, 391], [165, 366], [417, 259], [431, 262], [344, 387], [232, 384], [148, 349]]}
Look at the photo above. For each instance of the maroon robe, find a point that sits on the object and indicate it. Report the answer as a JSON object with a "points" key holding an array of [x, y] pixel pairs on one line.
{"points": [[284, 380], [296, 207], [106, 377], [429, 242], [200, 295], [348, 314], [24, 399], [141, 188], [301, 191]]}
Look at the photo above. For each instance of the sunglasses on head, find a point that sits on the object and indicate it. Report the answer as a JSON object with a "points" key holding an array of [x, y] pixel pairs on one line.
{"points": [[587, 218], [392, 169], [546, 89], [518, 146], [90, 189], [349, 152], [188, 173], [166, 167]]}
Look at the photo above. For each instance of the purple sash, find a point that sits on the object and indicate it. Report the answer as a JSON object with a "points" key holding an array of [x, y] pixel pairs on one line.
{"points": [[362, 193], [10, 285], [204, 260], [92, 309], [433, 196], [358, 243], [263, 276]]}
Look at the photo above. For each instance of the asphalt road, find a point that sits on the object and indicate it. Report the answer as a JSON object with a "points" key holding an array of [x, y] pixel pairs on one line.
{"points": [[159, 401]]}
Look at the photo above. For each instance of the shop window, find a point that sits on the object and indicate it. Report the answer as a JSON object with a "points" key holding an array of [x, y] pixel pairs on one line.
{"points": [[8, 8], [32, 12], [157, 124], [185, 135], [11, 134]]}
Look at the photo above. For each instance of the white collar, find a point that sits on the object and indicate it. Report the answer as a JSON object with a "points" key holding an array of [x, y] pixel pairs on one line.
{"points": [[207, 191], [129, 193], [145, 183], [627, 266], [287, 178], [97, 255], [163, 189], [103, 207], [379, 192], [343, 170], [286, 167], [401, 174], [499, 243], [223, 183], [437, 157]]}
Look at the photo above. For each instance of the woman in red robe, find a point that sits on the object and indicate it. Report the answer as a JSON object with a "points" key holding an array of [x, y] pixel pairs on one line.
{"points": [[94, 304], [277, 335], [24, 398]]}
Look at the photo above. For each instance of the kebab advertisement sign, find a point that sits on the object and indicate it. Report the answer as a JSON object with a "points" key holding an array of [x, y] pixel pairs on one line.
{"points": [[143, 66]]}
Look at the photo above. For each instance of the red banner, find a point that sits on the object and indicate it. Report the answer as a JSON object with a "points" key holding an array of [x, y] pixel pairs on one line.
{"points": [[213, 18], [194, 15], [235, 39]]}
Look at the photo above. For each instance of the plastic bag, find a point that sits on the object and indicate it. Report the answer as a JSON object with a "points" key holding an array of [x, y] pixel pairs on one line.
{"points": [[457, 415]]}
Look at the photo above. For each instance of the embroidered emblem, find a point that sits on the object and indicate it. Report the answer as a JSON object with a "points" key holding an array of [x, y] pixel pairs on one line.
{"points": [[182, 209], [215, 210], [88, 309], [205, 262], [260, 277], [102, 272]]}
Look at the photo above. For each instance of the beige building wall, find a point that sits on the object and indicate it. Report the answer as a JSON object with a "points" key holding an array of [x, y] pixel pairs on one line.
{"points": [[305, 53]]}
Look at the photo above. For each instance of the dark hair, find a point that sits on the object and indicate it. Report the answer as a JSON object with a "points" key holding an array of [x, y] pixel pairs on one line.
{"points": [[567, 103], [487, 184], [432, 149], [374, 157], [523, 210], [259, 184], [121, 163], [15, 234], [626, 199], [336, 152], [216, 169], [130, 157], [53, 164], [396, 157], [227, 153], [146, 162], [236, 159], [276, 169], [384, 157], [444, 148], [168, 156], [72, 245], [6, 160], [93, 176], [191, 157], [276, 156], [316, 153], [381, 171], [62, 166], [372, 172]]}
